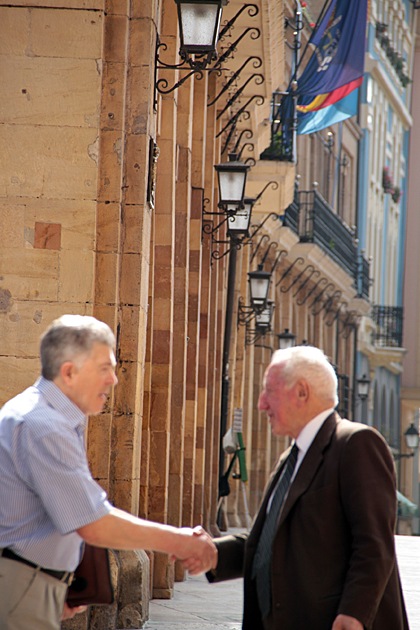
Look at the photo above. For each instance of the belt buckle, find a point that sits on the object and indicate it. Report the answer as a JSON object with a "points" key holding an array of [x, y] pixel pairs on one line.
{"points": [[67, 577]]}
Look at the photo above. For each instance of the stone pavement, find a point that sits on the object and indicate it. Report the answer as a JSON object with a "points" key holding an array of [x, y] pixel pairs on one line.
{"points": [[197, 605], [408, 552]]}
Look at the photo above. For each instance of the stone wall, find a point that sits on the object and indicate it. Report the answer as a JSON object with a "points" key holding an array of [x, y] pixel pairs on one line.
{"points": [[75, 223], [49, 117]]}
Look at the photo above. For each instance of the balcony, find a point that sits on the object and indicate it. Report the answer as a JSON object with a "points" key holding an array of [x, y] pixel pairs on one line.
{"points": [[310, 216], [389, 326]]}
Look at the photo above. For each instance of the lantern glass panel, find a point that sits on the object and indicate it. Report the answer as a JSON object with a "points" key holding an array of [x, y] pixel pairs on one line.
{"points": [[200, 25], [259, 283], [263, 319], [231, 185], [286, 339], [412, 437], [238, 224], [363, 384]]}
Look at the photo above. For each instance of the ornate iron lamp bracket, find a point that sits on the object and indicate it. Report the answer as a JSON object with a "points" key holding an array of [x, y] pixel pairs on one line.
{"points": [[239, 243], [257, 63], [253, 10], [161, 85], [255, 33], [245, 313], [285, 289]]}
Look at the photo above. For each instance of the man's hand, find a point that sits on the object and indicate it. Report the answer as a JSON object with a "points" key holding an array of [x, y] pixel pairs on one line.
{"points": [[199, 553], [344, 622], [69, 613]]}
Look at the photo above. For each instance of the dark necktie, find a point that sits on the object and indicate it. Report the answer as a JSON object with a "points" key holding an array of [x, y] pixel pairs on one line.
{"points": [[262, 559]]}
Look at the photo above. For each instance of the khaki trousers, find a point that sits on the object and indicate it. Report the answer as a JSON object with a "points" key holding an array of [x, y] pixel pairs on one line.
{"points": [[29, 599]]}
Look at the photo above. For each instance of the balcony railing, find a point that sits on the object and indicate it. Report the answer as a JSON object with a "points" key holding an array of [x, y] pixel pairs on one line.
{"points": [[291, 216], [310, 216], [282, 141], [389, 326]]}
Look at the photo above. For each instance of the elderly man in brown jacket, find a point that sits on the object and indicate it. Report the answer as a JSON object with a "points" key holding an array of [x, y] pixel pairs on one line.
{"points": [[331, 557]]}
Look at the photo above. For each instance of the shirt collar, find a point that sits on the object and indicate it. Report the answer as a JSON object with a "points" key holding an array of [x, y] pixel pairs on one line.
{"points": [[309, 431], [60, 402]]}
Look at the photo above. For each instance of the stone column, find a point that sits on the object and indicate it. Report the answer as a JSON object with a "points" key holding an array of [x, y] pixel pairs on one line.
{"points": [[203, 147], [127, 123], [181, 288], [163, 311]]}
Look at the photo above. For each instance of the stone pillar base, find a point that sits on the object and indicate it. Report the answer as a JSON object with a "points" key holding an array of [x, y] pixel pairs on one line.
{"points": [[163, 577], [180, 572]]}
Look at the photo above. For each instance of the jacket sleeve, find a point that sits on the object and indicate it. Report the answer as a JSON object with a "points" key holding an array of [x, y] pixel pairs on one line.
{"points": [[231, 551], [368, 494]]}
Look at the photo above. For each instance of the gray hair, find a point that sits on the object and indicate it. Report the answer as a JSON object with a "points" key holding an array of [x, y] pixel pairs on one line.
{"points": [[312, 364], [71, 337]]}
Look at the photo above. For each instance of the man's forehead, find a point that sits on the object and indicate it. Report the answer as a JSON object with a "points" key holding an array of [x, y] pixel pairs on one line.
{"points": [[102, 352], [273, 372]]}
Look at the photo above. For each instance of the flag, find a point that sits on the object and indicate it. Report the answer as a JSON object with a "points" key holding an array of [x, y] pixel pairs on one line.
{"points": [[325, 100], [327, 89], [327, 116]]}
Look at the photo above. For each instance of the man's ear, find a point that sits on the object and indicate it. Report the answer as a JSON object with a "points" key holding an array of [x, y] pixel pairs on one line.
{"points": [[302, 391], [67, 372]]}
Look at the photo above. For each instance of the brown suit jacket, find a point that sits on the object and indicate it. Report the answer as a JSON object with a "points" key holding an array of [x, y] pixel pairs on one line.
{"points": [[334, 549]]}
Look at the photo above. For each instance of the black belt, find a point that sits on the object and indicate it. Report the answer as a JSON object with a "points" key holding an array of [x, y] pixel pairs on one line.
{"points": [[63, 576]]}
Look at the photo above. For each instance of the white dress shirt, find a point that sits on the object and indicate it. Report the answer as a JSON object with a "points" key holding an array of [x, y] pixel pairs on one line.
{"points": [[303, 442]]}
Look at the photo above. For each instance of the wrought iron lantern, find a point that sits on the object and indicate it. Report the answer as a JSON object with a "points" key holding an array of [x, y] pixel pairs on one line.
{"points": [[363, 384], [286, 339], [239, 219], [232, 179], [199, 23], [259, 283]]}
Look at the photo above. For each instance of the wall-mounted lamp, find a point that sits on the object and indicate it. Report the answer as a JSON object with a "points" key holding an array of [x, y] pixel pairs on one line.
{"points": [[363, 385], [412, 441], [238, 221], [199, 23], [286, 339], [259, 283], [260, 309], [262, 324], [232, 179], [264, 317], [234, 208]]}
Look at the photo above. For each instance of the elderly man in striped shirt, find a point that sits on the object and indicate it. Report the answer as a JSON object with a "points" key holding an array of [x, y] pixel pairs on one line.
{"points": [[49, 502]]}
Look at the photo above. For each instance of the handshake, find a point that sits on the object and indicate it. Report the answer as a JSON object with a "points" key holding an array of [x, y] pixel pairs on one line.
{"points": [[196, 550]]}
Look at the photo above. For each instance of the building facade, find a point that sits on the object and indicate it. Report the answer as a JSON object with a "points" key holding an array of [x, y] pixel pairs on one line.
{"points": [[110, 206], [386, 121], [410, 399]]}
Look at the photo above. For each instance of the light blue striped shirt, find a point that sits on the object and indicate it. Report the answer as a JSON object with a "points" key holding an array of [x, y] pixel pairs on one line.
{"points": [[46, 488]]}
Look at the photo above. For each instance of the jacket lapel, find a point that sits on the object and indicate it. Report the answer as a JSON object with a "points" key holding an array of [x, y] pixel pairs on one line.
{"points": [[259, 520], [304, 476], [310, 465]]}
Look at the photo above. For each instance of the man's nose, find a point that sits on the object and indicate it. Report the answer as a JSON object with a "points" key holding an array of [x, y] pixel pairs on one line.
{"points": [[262, 402], [113, 380]]}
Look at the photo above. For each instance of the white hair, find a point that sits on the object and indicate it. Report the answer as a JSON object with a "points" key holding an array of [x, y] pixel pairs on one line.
{"points": [[311, 364]]}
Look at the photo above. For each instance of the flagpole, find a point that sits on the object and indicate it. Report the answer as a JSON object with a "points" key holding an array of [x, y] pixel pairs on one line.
{"points": [[337, 168], [294, 84]]}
